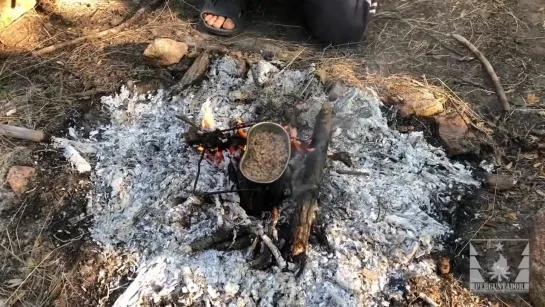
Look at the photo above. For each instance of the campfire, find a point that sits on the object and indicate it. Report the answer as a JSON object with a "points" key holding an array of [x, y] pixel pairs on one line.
{"points": [[258, 196], [354, 213]]}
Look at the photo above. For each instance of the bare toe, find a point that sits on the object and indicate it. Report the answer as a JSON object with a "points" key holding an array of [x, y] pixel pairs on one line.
{"points": [[219, 22], [229, 24], [212, 19], [207, 17]]}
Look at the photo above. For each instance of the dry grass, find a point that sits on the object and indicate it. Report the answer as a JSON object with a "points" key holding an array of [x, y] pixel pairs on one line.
{"points": [[446, 291], [29, 265]]}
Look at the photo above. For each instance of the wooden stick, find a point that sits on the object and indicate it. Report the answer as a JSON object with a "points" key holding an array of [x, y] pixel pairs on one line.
{"points": [[493, 76], [22, 133], [188, 121], [275, 252], [536, 132], [351, 172], [307, 203], [528, 110], [114, 30]]}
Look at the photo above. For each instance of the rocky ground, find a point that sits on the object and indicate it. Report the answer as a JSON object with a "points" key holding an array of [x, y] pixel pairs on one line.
{"points": [[47, 255]]}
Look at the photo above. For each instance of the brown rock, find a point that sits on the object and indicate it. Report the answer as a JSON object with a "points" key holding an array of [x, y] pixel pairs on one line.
{"points": [[496, 182], [443, 265], [415, 97], [9, 14], [454, 134], [165, 51], [537, 261], [335, 90], [19, 177], [420, 103]]}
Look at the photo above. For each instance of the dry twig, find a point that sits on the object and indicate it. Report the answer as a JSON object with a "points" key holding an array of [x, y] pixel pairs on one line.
{"points": [[528, 110], [352, 172], [536, 132], [274, 250], [22, 133], [114, 30], [493, 76]]}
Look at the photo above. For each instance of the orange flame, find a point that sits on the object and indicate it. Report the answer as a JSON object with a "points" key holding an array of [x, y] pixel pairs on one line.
{"points": [[243, 133], [208, 119], [295, 141]]}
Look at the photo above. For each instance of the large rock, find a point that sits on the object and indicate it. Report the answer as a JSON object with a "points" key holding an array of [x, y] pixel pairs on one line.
{"points": [[10, 13], [414, 97], [455, 135], [165, 51], [19, 177], [537, 260]]}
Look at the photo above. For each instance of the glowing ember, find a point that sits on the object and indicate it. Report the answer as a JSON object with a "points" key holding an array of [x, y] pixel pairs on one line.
{"points": [[208, 123], [295, 142], [242, 132], [219, 157]]}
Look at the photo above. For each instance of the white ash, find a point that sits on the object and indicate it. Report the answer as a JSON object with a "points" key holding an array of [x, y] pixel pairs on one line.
{"points": [[379, 225], [71, 149]]}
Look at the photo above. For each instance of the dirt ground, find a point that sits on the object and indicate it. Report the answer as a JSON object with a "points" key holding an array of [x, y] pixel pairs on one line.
{"points": [[46, 257]]}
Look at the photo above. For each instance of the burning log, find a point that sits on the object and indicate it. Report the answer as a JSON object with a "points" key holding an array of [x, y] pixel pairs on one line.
{"points": [[307, 202], [257, 198]]}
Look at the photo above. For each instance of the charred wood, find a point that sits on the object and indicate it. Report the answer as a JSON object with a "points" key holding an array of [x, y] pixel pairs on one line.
{"points": [[307, 202]]}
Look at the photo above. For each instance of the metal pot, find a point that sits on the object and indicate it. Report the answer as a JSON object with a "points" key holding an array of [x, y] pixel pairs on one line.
{"points": [[267, 127]]}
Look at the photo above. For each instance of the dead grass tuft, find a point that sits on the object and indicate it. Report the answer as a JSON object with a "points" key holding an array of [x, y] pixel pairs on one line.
{"points": [[446, 292], [99, 276]]}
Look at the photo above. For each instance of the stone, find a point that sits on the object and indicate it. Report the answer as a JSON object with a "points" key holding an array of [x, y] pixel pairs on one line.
{"points": [[19, 177], [335, 90], [443, 265], [414, 97], [165, 51], [496, 182], [10, 13], [455, 135], [537, 261]]}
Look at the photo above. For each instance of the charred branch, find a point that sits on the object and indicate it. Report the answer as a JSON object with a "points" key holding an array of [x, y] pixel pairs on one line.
{"points": [[223, 239], [307, 202]]}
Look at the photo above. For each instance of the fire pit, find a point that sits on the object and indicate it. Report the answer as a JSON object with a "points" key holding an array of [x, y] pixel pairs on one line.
{"points": [[226, 240]]}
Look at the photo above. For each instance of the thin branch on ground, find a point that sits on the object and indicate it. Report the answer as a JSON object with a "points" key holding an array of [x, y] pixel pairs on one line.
{"points": [[489, 69], [528, 110], [351, 172], [115, 30], [536, 132], [274, 250]]}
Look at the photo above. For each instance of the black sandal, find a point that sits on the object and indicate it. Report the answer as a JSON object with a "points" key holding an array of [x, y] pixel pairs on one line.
{"points": [[231, 9]]}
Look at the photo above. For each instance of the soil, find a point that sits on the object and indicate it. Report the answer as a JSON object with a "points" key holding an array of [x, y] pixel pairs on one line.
{"points": [[45, 243]]}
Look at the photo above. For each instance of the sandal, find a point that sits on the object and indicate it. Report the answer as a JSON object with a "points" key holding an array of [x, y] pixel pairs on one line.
{"points": [[231, 9]]}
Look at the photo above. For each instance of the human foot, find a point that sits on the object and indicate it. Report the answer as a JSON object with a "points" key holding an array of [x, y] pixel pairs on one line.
{"points": [[219, 22], [222, 17]]}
